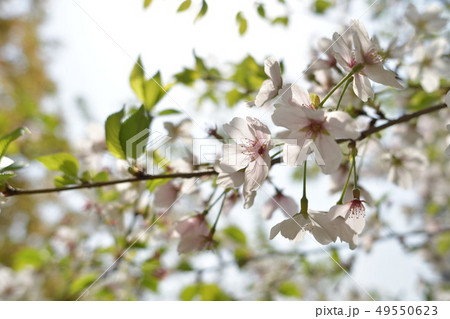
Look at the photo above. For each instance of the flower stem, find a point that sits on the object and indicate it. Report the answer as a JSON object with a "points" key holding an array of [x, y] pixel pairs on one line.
{"points": [[213, 229], [214, 203], [339, 202], [355, 173], [356, 69], [343, 92], [304, 200]]}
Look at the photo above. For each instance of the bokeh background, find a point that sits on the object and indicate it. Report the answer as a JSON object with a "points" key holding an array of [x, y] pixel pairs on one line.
{"points": [[65, 66]]}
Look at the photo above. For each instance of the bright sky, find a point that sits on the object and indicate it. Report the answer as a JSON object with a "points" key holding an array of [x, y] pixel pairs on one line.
{"points": [[101, 40]]}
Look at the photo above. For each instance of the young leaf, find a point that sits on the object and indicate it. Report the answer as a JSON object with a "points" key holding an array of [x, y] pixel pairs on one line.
{"points": [[235, 234], [137, 80], [281, 20], [184, 5], [62, 162], [147, 3], [168, 112], [154, 91], [290, 289], [202, 11], [242, 22], [261, 11], [320, 6], [112, 131], [134, 134], [8, 138]]}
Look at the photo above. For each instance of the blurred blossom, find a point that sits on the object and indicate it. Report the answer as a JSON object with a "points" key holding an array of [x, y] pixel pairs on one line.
{"points": [[429, 21], [404, 164], [285, 203], [65, 240], [166, 195], [182, 130], [194, 234], [430, 65], [15, 285], [230, 202]]}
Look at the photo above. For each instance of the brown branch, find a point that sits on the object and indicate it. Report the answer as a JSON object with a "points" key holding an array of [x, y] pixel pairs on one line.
{"points": [[401, 119], [10, 191]]}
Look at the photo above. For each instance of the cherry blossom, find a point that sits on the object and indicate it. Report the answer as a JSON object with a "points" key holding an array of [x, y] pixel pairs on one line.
{"points": [[247, 161], [285, 203], [403, 165], [270, 87], [194, 234], [321, 127], [429, 21], [430, 64], [353, 212], [295, 227], [364, 53]]}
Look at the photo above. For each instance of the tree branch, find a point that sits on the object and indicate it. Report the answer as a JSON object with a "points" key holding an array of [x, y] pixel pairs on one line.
{"points": [[11, 191], [401, 119]]}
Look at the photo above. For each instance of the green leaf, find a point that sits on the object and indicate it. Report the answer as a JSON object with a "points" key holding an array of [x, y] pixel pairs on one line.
{"points": [[242, 22], [184, 265], [189, 293], [184, 5], [261, 11], [233, 97], [101, 177], [249, 74], [281, 20], [320, 6], [137, 79], [147, 3], [290, 289], [4, 177], [9, 138], [187, 76], [61, 181], [212, 292], [153, 184], [154, 91], [82, 282], [112, 133], [133, 131], [235, 234], [30, 257], [62, 162], [206, 292], [150, 282], [202, 11], [443, 244], [168, 112], [149, 92]]}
